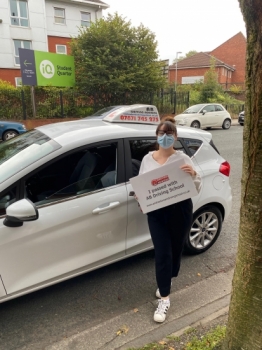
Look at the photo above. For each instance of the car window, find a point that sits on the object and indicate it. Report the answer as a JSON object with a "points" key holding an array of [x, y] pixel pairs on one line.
{"points": [[6, 199], [77, 173], [193, 109], [209, 108], [139, 148], [192, 145], [218, 108], [21, 151]]}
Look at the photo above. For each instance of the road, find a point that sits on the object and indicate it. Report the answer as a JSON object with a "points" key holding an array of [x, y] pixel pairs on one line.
{"points": [[44, 317]]}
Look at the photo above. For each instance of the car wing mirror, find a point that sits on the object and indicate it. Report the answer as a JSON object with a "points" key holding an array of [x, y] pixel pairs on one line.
{"points": [[20, 211], [204, 111]]}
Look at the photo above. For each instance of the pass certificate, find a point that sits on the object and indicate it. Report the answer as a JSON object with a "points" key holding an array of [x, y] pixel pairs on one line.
{"points": [[163, 186]]}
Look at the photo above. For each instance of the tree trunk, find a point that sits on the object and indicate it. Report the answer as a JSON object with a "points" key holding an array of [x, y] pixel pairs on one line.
{"points": [[244, 330]]}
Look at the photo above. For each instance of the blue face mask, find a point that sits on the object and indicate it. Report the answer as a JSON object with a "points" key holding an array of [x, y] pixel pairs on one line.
{"points": [[165, 141]]}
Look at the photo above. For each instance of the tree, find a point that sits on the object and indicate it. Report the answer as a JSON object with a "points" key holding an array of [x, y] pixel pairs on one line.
{"points": [[244, 330], [112, 57], [210, 88]]}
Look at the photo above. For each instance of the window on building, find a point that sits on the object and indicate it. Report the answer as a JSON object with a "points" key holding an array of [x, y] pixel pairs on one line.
{"points": [[19, 13], [18, 81], [62, 49], [59, 15], [85, 19], [23, 44]]}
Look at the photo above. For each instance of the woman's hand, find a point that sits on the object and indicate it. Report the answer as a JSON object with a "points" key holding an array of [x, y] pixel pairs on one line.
{"points": [[188, 169]]}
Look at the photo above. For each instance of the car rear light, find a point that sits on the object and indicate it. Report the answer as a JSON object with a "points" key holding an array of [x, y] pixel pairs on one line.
{"points": [[225, 168]]}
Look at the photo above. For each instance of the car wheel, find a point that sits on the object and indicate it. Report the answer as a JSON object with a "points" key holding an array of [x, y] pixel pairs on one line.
{"points": [[206, 227], [9, 134], [226, 124], [195, 124]]}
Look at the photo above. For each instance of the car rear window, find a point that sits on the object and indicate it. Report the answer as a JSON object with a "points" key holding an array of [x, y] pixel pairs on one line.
{"points": [[213, 145], [192, 145]]}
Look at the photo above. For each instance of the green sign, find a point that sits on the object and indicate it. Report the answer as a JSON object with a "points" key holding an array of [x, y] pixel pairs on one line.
{"points": [[54, 69]]}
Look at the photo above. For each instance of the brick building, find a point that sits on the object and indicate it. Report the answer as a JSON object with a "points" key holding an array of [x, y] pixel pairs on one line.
{"points": [[230, 61], [43, 25]]}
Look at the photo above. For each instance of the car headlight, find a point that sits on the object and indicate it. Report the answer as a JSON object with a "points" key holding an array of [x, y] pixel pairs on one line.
{"points": [[23, 126]]}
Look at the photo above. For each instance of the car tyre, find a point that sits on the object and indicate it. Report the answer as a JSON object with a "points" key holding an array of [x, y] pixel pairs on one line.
{"points": [[226, 124], [205, 230], [9, 134], [195, 124]]}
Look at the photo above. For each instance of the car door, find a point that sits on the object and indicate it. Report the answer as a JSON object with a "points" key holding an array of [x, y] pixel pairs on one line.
{"points": [[138, 237], [220, 115], [82, 219], [209, 118]]}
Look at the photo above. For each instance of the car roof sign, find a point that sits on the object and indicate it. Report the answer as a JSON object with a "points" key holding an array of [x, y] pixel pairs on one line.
{"points": [[139, 113]]}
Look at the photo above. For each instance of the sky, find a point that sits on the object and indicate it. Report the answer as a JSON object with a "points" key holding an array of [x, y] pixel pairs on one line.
{"points": [[183, 25]]}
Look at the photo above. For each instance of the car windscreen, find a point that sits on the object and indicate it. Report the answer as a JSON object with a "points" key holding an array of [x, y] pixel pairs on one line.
{"points": [[193, 109], [104, 111], [19, 152]]}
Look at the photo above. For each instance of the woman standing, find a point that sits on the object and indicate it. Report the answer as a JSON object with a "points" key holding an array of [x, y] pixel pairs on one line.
{"points": [[170, 225]]}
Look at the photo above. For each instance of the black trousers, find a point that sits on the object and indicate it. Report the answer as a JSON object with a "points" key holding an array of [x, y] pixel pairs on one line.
{"points": [[169, 227]]}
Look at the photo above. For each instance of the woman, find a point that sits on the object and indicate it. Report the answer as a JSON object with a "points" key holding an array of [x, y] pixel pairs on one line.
{"points": [[169, 225]]}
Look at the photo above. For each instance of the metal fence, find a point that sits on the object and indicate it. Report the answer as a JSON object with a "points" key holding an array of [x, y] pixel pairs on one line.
{"points": [[54, 103]]}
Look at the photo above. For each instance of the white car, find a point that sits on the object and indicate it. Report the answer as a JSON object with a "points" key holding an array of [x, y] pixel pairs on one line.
{"points": [[65, 201], [205, 115]]}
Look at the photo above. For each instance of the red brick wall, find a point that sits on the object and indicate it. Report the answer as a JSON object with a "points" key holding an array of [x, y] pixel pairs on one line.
{"points": [[57, 40], [233, 52], [194, 72], [9, 74], [222, 79]]}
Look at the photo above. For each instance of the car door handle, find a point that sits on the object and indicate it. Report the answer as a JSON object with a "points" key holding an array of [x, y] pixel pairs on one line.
{"points": [[101, 210]]}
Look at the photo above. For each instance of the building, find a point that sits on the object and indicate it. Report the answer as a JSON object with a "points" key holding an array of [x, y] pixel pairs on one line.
{"points": [[229, 59], [42, 25]]}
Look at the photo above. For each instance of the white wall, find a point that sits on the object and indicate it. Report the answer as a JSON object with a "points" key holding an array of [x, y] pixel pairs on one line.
{"points": [[72, 17], [36, 32], [41, 24]]}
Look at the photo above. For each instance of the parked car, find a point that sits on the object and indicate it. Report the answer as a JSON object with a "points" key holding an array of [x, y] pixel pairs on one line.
{"points": [[205, 115], [10, 129], [66, 203], [241, 118]]}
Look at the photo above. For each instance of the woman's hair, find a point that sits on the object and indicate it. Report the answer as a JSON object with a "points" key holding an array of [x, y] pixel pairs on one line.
{"points": [[169, 125]]}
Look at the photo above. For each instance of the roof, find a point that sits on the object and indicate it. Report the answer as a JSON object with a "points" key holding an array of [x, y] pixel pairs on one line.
{"points": [[200, 59], [99, 2], [89, 2], [76, 133]]}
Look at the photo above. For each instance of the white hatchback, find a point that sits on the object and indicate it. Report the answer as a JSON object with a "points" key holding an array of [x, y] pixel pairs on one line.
{"points": [[65, 203], [206, 115]]}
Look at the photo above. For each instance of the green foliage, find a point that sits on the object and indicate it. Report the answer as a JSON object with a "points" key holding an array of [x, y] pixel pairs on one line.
{"points": [[236, 89], [209, 341], [10, 101], [112, 57]]}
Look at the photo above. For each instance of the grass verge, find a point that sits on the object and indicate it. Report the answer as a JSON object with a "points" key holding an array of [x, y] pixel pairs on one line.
{"points": [[192, 339]]}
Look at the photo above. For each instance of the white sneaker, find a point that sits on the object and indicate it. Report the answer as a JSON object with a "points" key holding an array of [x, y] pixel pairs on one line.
{"points": [[160, 313], [158, 295]]}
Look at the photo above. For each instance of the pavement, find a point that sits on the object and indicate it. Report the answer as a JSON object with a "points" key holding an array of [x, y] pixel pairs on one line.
{"points": [[197, 304]]}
